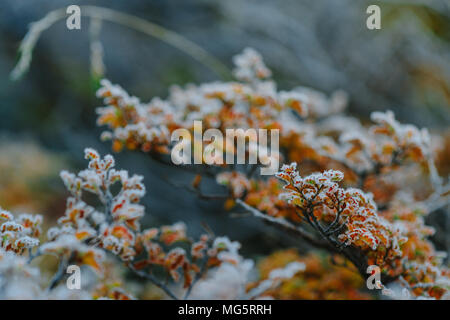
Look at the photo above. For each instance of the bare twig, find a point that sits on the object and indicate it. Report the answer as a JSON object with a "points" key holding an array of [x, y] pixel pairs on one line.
{"points": [[438, 199], [283, 224], [63, 263], [153, 280], [127, 20], [198, 192], [32, 255], [209, 171], [198, 276]]}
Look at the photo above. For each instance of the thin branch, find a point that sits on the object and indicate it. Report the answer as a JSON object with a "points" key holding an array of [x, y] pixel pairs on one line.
{"points": [[438, 199], [435, 179], [60, 272], [198, 192], [198, 276], [336, 219], [127, 20], [331, 245], [34, 255], [192, 168], [153, 280], [283, 224]]}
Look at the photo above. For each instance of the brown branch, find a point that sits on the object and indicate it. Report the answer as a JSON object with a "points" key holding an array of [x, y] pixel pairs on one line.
{"points": [[153, 280], [198, 276], [63, 263], [197, 191], [285, 225]]}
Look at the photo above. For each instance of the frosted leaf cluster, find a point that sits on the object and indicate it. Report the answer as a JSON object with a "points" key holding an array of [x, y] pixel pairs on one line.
{"points": [[250, 66], [19, 233], [221, 105], [354, 213], [227, 281], [113, 229]]}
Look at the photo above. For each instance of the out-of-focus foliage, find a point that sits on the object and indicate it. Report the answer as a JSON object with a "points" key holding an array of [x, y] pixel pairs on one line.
{"points": [[325, 44], [85, 234], [27, 175], [325, 277], [373, 219]]}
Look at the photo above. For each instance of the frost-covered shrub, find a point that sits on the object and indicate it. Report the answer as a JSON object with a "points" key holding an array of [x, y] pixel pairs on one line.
{"points": [[91, 235], [362, 197], [364, 191]]}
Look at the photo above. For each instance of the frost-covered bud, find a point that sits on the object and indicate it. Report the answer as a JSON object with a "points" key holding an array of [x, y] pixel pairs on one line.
{"points": [[5, 215], [11, 226], [91, 154], [26, 242], [294, 100], [250, 66], [334, 175]]}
